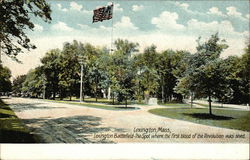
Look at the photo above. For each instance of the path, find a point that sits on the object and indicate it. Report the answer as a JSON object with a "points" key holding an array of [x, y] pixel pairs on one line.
{"points": [[67, 123]]}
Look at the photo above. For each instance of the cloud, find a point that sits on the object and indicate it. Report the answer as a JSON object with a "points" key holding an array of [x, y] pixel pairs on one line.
{"points": [[61, 26], [117, 7], [215, 11], [224, 28], [75, 6], [167, 21], [87, 12], [185, 7], [232, 11], [248, 16], [38, 28], [137, 8], [182, 5], [62, 9], [83, 26], [125, 24]]}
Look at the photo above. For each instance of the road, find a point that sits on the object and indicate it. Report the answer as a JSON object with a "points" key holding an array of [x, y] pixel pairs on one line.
{"points": [[66, 123]]}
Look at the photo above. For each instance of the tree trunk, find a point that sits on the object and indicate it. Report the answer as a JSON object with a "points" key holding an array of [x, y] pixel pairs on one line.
{"points": [[82, 93], [54, 93], [162, 93], [210, 107], [70, 96], [113, 98], [96, 86], [192, 99], [139, 92], [61, 97], [96, 93], [104, 93], [126, 102], [109, 92]]}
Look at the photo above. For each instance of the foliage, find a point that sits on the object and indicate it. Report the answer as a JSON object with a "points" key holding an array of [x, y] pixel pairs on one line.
{"points": [[205, 76], [120, 69], [169, 75], [51, 70], [5, 83], [17, 84], [15, 18], [33, 84]]}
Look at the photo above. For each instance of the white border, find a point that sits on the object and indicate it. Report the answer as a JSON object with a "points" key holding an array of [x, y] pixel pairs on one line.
{"points": [[123, 151]]}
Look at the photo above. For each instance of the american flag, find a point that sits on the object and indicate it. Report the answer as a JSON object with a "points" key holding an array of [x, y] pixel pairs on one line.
{"points": [[103, 13]]}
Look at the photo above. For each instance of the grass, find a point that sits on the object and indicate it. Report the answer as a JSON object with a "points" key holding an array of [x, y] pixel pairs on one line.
{"points": [[99, 106], [174, 104], [213, 106], [232, 119], [12, 129]]}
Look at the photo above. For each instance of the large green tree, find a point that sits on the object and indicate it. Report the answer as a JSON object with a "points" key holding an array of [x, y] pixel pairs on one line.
{"points": [[121, 72], [148, 72], [170, 64], [5, 83], [34, 83], [204, 76], [17, 85], [15, 18], [51, 69]]}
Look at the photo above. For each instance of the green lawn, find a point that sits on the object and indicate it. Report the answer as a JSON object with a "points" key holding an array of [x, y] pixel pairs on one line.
{"points": [[175, 104], [100, 106], [213, 106], [100, 100], [233, 119], [11, 128]]}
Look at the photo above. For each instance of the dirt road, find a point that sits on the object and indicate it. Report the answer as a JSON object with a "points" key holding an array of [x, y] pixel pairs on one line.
{"points": [[67, 123]]}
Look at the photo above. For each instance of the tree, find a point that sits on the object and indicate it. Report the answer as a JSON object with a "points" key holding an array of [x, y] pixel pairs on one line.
{"points": [[51, 70], [121, 72], [33, 84], [98, 73], [150, 77], [244, 75], [15, 19], [204, 76], [170, 64], [238, 79], [5, 83], [17, 85]]}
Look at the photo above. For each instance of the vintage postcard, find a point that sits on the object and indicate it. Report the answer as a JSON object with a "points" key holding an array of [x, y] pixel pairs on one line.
{"points": [[118, 72]]}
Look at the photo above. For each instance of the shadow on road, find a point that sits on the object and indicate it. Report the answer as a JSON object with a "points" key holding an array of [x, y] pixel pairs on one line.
{"points": [[76, 129], [205, 116], [10, 136], [18, 107]]}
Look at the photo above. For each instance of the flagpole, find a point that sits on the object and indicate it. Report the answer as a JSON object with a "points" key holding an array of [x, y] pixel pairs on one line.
{"points": [[112, 28], [111, 45]]}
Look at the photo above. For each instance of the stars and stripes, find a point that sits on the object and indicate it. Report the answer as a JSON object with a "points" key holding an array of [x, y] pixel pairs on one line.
{"points": [[103, 13]]}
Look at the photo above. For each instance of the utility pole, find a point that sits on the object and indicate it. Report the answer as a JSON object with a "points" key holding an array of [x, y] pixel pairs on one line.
{"points": [[81, 63], [44, 87]]}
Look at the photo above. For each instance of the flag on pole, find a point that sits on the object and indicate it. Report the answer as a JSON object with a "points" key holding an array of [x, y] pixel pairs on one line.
{"points": [[103, 13]]}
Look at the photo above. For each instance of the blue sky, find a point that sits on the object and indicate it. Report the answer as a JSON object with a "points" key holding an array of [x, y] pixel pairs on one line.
{"points": [[167, 24]]}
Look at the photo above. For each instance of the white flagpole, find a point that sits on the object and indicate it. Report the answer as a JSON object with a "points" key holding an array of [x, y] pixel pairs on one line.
{"points": [[112, 23], [111, 45]]}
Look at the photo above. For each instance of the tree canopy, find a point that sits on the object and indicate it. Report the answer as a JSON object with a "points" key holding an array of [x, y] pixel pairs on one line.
{"points": [[5, 83], [15, 18], [133, 75]]}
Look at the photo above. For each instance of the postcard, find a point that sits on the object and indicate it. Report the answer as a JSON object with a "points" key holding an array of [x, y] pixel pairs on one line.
{"points": [[131, 74]]}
